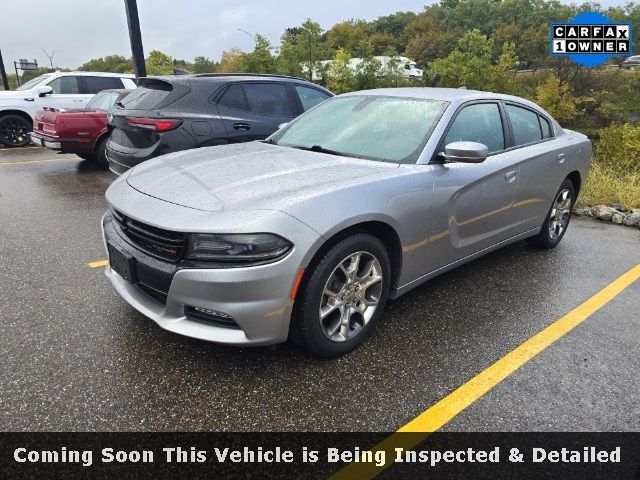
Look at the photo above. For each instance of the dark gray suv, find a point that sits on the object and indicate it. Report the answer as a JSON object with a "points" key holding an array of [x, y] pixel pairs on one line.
{"points": [[168, 114]]}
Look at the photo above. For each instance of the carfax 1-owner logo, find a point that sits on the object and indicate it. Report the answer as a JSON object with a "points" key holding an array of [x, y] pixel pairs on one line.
{"points": [[590, 39]]}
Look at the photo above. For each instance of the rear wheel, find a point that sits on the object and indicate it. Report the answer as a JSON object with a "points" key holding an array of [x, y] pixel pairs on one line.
{"points": [[343, 299], [14, 130], [558, 218], [100, 153]]}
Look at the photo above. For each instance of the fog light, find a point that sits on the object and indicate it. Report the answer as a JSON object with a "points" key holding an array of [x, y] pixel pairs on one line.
{"points": [[211, 317]]}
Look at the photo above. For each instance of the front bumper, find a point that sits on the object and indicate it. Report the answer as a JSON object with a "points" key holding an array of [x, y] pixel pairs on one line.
{"points": [[257, 298]]}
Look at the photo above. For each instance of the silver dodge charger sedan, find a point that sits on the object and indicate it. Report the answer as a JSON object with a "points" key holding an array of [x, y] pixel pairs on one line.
{"points": [[366, 196]]}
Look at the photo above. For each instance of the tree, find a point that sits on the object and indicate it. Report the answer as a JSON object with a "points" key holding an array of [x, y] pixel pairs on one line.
{"points": [[310, 46], [369, 69], [110, 63], [233, 60], [203, 65], [469, 65], [159, 63], [557, 99], [261, 60], [290, 58], [504, 71], [346, 35], [340, 78]]}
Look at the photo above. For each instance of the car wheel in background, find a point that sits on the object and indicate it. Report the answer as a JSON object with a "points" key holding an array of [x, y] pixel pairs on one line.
{"points": [[344, 297], [14, 130], [558, 218], [100, 152]]}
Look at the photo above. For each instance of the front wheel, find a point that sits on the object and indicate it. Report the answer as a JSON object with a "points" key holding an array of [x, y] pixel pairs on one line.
{"points": [[558, 218], [344, 297], [14, 131]]}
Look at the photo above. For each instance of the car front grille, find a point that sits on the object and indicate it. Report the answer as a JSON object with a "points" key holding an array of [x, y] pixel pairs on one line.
{"points": [[157, 242]]}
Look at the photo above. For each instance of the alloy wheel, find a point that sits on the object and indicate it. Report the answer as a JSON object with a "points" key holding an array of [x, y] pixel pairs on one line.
{"points": [[350, 296], [14, 132], [560, 214]]}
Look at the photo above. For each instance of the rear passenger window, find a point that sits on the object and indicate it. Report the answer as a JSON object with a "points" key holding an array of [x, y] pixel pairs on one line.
{"points": [[268, 99], [234, 98], [65, 85], [97, 84], [546, 128], [310, 97], [480, 123], [525, 124]]}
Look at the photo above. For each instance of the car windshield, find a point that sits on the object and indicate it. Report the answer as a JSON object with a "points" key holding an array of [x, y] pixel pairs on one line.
{"points": [[389, 129], [33, 82], [102, 101]]}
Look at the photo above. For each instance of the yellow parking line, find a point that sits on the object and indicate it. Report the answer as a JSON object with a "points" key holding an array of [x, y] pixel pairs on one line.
{"points": [[436, 416], [40, 161], [99, 263]]}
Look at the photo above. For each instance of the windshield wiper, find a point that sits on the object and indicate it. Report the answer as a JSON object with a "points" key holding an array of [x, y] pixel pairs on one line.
{"points": [[321, 149]]}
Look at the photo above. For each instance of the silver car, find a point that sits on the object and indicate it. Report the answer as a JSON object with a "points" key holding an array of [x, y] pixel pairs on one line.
{"points": [[309, 233]]}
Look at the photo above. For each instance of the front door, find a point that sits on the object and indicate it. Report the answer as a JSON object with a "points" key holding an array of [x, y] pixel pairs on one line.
{"points": [[473, 203], [66, 94]]}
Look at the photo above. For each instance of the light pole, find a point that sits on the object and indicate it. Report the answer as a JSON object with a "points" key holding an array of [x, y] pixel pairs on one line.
{"points": [[50, 57], [253, 37], [139, 68]]}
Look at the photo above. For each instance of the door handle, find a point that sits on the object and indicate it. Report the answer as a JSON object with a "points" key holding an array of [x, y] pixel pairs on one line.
{"points": [[561, 157], [510, 176], [241, 126]]}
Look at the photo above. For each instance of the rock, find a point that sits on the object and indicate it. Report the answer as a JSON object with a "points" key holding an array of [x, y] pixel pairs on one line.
{"points": [[619, 207], [632, 219], [582, 211], [617, 218], [602, 212]]}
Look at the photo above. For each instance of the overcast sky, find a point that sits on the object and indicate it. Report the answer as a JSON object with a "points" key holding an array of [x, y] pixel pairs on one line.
{"points": [[79, 30]]}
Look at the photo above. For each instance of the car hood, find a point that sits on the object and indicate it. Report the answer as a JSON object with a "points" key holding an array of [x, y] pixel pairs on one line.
{"points": [[249, 176], [11, 94]]}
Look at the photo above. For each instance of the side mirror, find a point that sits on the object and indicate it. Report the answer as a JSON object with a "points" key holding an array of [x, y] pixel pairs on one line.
{"points": [[282, 125], [466, 152], [45, 90]]}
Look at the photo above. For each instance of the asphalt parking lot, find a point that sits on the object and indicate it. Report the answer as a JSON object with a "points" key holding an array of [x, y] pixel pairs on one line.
{"points": [[76, 357]]}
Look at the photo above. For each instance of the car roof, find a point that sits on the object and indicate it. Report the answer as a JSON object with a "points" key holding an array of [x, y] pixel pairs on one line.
{"points": [[453, 95], [91, 74]]}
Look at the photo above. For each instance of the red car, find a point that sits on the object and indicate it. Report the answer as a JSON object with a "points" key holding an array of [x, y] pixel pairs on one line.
{"points": [[83, 132]]}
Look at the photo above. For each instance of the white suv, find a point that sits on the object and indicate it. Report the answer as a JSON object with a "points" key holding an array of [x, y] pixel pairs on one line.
{"points": [[68, 90]]}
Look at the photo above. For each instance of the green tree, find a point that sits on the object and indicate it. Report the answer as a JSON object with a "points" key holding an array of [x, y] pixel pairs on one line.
{"points": [[346, 35], [110, 63], [203, 65], [310, 46], [467, 66], [261, 60], [369, 69], [340, 78], [159, 63], [557, 99], [504, 71]]}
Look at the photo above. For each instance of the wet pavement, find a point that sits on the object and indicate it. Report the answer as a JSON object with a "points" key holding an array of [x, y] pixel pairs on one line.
{"points": [[76, 357]]}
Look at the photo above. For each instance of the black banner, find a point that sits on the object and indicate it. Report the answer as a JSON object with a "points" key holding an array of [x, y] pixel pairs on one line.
{"points": [[320, 455]]}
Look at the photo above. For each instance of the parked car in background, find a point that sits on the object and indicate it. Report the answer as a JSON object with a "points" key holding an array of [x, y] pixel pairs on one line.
{"points": [[631, 62], [58, 90], [168, 114], [402, 66], [361, 199], [80, 131]]}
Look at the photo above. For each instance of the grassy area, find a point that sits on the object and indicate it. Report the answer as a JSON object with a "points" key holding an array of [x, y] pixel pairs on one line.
{"points": [[615, 173], [605, 186]]}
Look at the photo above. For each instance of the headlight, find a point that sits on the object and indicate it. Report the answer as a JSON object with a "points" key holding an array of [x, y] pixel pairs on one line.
{"points": [[243, 248]]}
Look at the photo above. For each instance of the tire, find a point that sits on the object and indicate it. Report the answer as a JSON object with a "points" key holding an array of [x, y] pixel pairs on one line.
{"points": [[558, 218], [352, 310], [100, 153], [85, 156], [14, 131]]}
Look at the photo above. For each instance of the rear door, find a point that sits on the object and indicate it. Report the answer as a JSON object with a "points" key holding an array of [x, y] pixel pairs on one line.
{"points": [[253, 110], [542, 164], [67, 93], [89, 86]]}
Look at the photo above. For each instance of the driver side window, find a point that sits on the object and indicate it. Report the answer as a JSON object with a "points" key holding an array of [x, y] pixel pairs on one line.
{"points": [[480, 123], [65, 85]]}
